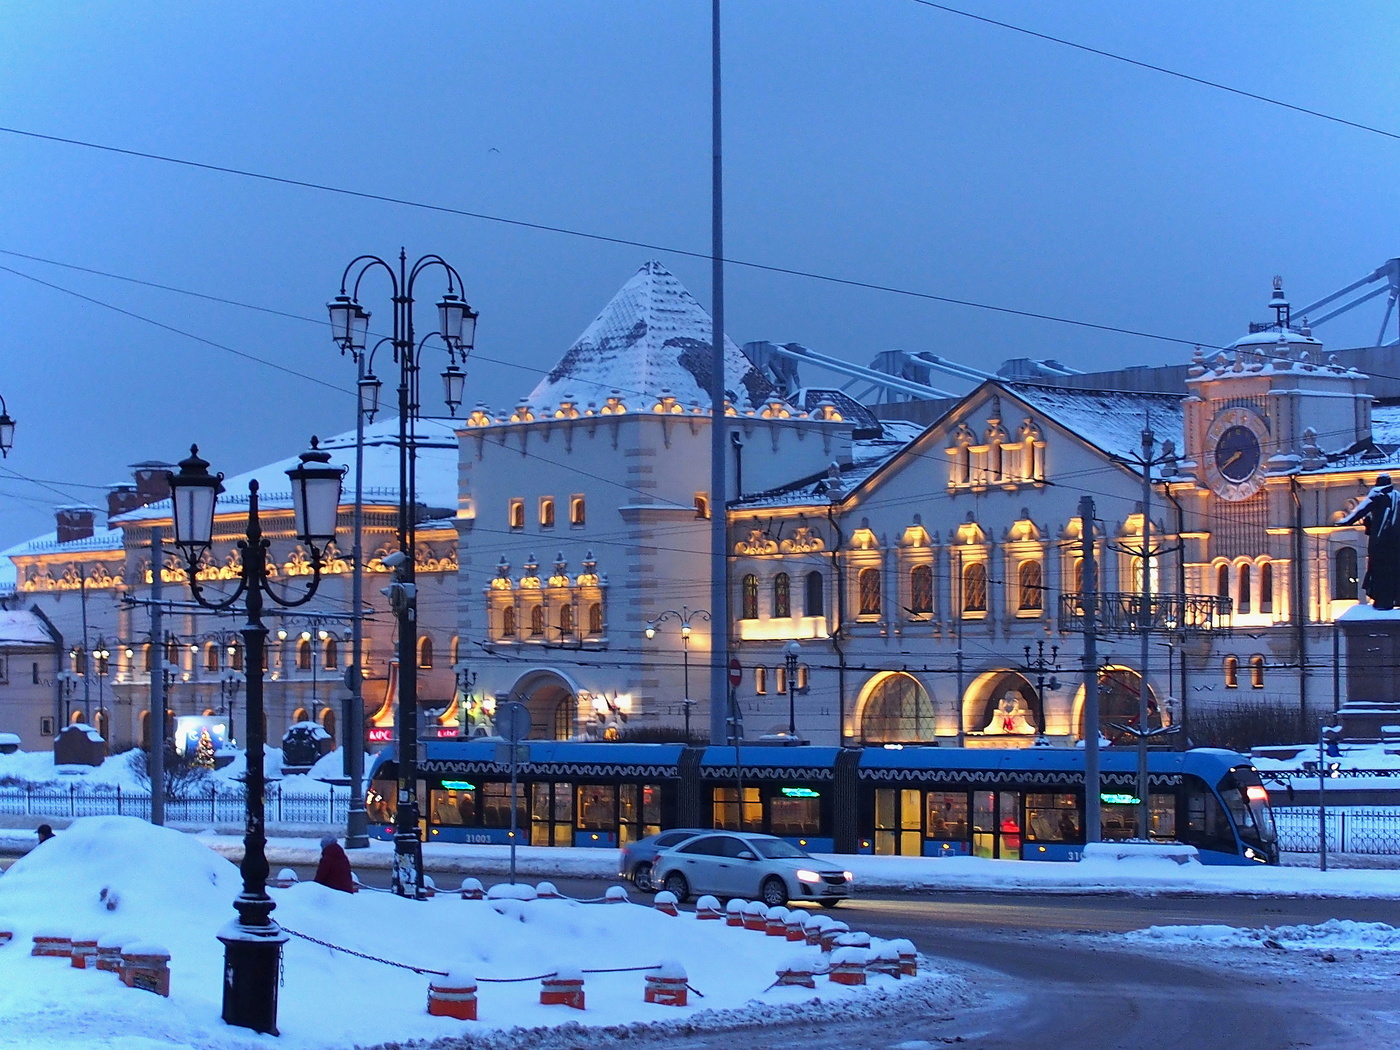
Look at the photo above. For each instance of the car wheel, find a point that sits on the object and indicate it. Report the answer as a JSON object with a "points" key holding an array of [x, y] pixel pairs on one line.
{"points": [[828, 904], [641, 878], [773, 891], [675, 883]]}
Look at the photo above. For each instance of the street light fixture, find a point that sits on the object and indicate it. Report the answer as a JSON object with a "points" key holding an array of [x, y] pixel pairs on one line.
{"points": [[253, 943], [7, 430], [350, 330], [683, 618], [791, 652]]}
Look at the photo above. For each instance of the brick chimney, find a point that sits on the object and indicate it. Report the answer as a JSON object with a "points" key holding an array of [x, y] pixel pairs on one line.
{"points": [[121, 498], [151, 486], [75, 522]]}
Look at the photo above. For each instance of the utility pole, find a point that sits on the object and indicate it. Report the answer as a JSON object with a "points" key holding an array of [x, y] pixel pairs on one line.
{"points": [[156, 714], [1089, 598], [719, 438], [84, 666]]}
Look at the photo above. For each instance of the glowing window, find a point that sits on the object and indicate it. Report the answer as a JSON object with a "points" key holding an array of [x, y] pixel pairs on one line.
{"points": [[782, 595], [868, 586], [921, 590], [974, 580]]}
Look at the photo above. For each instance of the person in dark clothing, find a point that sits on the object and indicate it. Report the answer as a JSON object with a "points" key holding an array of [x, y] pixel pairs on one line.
{"points": [[334, 869], [45, 832]]}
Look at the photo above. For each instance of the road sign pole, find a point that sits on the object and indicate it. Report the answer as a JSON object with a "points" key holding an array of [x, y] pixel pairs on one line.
{"points": [[513, 723]]}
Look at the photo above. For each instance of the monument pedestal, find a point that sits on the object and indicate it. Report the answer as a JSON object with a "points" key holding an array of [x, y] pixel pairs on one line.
{"points": [[1372, 694]]}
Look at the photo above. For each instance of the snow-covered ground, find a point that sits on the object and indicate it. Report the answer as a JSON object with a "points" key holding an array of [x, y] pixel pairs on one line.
{"points": [[168, 888], [1333, 935]]}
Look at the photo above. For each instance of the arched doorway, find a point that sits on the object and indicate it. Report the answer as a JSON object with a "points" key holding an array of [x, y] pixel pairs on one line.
{"points": [[328, 722], [1118, 702], [553, 702], [1001, 703], [895, 709]]}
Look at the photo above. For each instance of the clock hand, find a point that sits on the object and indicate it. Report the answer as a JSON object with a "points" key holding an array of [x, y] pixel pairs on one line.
{"points": [[1232, 459]]}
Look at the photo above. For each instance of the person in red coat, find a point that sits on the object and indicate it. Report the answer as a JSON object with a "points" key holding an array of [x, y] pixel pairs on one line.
{"points": [[334, 869]]}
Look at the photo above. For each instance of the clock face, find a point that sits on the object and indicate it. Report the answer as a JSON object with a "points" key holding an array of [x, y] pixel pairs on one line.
{"points": [[1237, 453]]}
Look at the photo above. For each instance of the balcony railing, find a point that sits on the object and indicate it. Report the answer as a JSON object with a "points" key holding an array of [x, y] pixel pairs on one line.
{"points": [[1121, 612]]}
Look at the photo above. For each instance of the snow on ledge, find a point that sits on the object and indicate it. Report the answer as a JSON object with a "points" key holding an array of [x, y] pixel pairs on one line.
{"points": [[1176, 852]]}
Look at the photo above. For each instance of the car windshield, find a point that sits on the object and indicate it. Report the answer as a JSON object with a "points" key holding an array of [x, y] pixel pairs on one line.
{"points": [[777, 849]]}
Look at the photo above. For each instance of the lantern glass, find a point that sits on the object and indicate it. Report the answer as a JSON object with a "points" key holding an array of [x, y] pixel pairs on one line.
{"points": [[193, 494], [452, 310], [369, 395], [453, 381], [7, 433], [468, 336], [315, 496], [349, 323]]}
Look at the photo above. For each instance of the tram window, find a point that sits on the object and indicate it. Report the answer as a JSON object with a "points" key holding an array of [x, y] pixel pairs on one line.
{"points": [[1052, 818], [947, 814], [726, 809], [495, 806], [596, 806], [1206, 825], [626, 813], [794, 816], [379, 801], [651, 809], [1118, 820], [453, 807], [1161, 816]]}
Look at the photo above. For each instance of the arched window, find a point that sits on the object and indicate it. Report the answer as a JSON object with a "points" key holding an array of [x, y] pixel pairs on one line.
{"points": [[547, 512], [211, 656], [1266, 587], [780, 681], [897, 710], [537, 621], [814, 603], [749, 607], [782, 596], [330, 654], [1344, 575], [456, 649], [1231, 668], [566, 619], [517, 514], [760, 680], [508, 622], [868, 583], [1030, 581], [304, 655], [801, 686], [172, 653], [328, 721], [235, 656], [147, 657], [702, 505], [425, 653], [578, 512], [595, 618], [300, 715], [1222, 581], [1256, 671], [1245, 602], [974, 581], [101, 725], [921, 590]]}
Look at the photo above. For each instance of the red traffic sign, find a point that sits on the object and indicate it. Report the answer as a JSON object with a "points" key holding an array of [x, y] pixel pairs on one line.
{"points": [[736, 672]]}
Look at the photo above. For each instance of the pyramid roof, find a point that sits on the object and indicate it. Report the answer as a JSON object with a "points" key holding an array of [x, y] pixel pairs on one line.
{"points": [[652, 335]]}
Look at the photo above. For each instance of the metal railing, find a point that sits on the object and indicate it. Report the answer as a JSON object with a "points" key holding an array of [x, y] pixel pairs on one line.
{"points": [[1120, 612], [223, 805], [1374, 832]]}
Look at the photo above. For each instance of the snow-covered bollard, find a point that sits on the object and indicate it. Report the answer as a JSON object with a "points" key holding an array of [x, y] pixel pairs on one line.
{"points": [[429, 888], [563, 988], [615, 895], [815, 925], [908, 957], [755, 916], [665, 903], [776, 925], [285, 878], [734, 912], [707, 907], [799, 970], [853, 939], [546, 891], [848, 965], [829, 934], [885, 960], [472, 890], [667, 985], [109, 954], [796, 926], [147, 967], [7, 932], [83, 953], [453, 996], [50, 944]]}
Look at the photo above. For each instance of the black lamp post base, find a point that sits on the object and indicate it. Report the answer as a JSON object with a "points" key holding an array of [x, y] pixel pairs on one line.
{"points": [[252, 972]]}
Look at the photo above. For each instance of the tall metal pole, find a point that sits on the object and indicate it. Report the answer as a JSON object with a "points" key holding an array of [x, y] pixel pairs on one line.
{"points": [[356, 821], [1321, 795], [685, 660], [1144, 623], [719, 438], [1089, 596], [87, 664], [157, 710]]}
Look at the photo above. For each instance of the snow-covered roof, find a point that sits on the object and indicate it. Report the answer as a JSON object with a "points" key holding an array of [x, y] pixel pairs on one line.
{"points": [[1110, 420], [653, 335], [19, 627], [867, 456], [101, 540], [437, 471]]}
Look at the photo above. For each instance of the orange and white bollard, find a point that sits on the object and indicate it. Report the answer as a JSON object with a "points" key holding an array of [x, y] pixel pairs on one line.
{"points": [[615, 895], [796, 926], [848, 966], [908, 957], [755, 916], [665, 903], [853, 939], [52, 945], [564, 988], [777, 922], [7, 932], [798, 971], [546, 891], [707, 907], [472, 890], [831, 932], [147, 967], [453, 996], [667, 985], [429, 888], [83, 953], [815, 925], [284, 879], [734, 912], [109, 954], [885, 960]]}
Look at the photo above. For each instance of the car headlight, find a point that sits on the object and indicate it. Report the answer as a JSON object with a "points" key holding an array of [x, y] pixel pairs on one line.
{"points": [[849, 876], [803, 875]]}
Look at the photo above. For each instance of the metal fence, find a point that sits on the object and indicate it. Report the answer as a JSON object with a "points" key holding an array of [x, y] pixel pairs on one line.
{"points": [[1349, 830], [213, 806]]}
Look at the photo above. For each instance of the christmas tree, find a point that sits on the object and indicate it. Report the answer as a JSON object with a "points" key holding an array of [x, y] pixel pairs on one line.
{"points": [[204, 750]]}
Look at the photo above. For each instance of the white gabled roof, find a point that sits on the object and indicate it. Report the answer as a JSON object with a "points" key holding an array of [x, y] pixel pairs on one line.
{"points": [[652, 335], [21, 627]]}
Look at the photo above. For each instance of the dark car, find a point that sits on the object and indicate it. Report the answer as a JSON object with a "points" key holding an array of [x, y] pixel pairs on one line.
{"points": [[638, 857]]}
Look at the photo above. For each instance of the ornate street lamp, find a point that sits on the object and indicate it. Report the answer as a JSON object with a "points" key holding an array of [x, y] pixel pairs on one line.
{"points": [[7, 430], [683, 618], [350, 329], [253, 942], [791, 652]]}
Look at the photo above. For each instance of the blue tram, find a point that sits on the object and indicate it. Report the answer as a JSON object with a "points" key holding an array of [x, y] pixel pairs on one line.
{"points": [[1025, 804]]}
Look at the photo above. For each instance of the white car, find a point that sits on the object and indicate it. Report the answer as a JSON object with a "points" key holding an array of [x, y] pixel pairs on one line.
{"points": [[755, 867]]}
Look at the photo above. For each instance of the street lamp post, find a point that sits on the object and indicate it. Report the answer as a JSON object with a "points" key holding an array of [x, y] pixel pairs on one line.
{"points": [[683, 617], [1043, 670], [253, 942], [791, 652], [101, 657], [229, 684], [457, 330]]}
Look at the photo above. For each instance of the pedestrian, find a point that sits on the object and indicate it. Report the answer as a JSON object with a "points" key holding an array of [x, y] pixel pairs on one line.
{"points": [[334, 869], [45, 832]]}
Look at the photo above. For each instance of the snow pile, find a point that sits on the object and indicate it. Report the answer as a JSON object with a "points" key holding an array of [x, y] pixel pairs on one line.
{"points": [[118, 877], [1334, 934]]}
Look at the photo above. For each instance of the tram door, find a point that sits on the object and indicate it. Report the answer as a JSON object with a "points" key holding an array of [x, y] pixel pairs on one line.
{"points": [[996, 824], [551, 814], [899, 822]]}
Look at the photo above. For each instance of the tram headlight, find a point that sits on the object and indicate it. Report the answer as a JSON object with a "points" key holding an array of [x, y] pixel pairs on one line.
{"points": [[803, 875]]}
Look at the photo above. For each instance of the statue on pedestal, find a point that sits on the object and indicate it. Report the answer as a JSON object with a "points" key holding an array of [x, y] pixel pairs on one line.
{"points": [[1379, 513]]}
